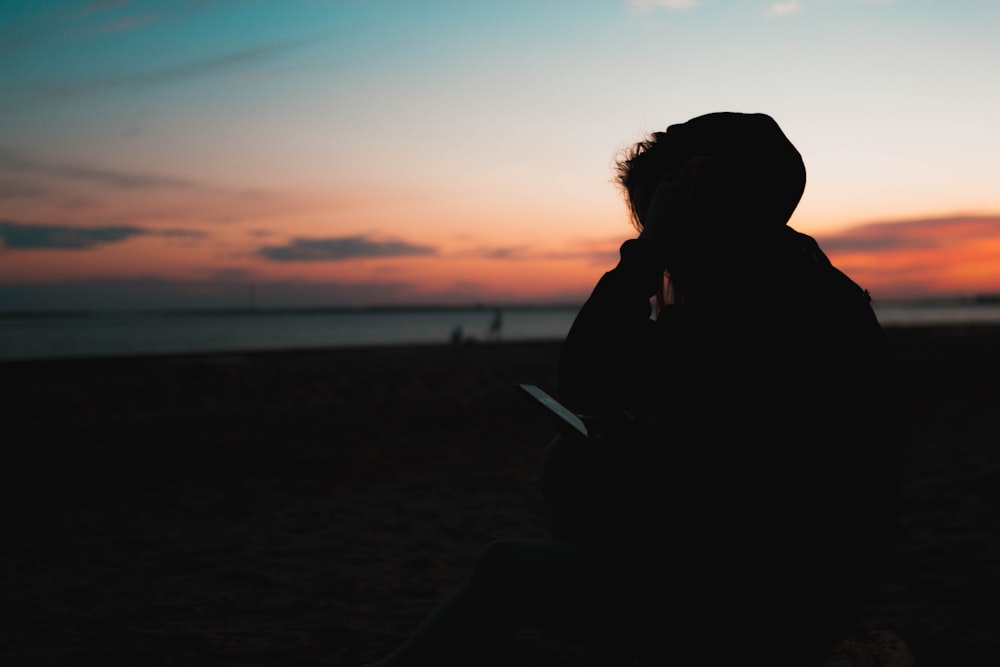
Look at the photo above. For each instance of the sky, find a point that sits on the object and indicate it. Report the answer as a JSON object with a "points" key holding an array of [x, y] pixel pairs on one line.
{"points": [[302, 153]]}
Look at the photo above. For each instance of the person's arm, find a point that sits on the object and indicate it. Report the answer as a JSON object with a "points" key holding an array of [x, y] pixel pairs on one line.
{"points": [[605, 359]]}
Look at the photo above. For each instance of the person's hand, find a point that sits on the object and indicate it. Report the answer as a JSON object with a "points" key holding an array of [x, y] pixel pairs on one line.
{"points": [[680, 200], [662, 210]]}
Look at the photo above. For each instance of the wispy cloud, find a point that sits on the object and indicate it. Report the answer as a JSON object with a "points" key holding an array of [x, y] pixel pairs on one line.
{"points": [[944, 255], [17, 191], [26, 96], [116, 22], [197, 68], [38, 24], [784, 8], [178, 233], [105, 6], [41, 24], [17, 236], [337, 249], [128, 180], [603, 252], [925, 233], [22, 236], [647, 6], [511, 252]]}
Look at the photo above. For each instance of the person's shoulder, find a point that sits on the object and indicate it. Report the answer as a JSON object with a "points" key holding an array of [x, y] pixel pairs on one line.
{"points": [[811, 273]]}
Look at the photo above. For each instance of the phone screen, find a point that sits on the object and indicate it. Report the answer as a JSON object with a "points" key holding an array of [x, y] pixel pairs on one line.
{"points": [[571, 423]]}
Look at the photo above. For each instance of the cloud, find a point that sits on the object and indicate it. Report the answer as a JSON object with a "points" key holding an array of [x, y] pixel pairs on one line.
{"points": [[922, 233], [784, 8], [647, 6], [880, 237], [16, 191], [513, 252], [603, 252], [13, 161], [226, 62], [116, 22], [21, 236], [16, 236], [951, 255], [193, 69], [41, 23], [36, 25], [178, 233], [100, 7], [343, 248]]}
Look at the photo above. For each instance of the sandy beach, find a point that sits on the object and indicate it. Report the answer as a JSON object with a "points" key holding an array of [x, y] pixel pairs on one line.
{"points": [[311, 507]]}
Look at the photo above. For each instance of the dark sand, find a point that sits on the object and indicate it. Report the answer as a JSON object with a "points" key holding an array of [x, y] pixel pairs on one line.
{"points": [[308, 508]]}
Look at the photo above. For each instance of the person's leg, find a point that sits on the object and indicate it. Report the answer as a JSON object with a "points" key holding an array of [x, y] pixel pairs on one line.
{"points": [[555, 584]]}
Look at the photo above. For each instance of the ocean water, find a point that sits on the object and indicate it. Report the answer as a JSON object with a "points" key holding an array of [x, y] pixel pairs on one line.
{"points": [[51, 336], [128, 333]]}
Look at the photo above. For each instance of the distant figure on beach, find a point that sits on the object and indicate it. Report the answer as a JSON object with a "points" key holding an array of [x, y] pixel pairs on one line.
{"points": [[457, 337], [744, 512], [496, 325]]}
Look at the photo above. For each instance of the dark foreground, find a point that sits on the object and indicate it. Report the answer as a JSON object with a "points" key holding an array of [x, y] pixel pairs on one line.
{"points": [[309, 508]]}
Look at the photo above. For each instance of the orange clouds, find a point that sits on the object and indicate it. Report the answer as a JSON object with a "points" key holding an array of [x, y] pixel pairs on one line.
{"points": [[941, 256], [932, 256]]}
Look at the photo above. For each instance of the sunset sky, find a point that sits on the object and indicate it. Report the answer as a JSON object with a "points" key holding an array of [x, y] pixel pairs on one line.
{"points": [[180, 153]]}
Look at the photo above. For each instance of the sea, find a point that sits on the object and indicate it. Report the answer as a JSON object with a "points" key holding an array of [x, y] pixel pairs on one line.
{"points": [[62, 335]]}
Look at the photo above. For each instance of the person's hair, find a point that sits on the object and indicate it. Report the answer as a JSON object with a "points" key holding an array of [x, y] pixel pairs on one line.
{"points": [[751, 155], [638, 168]]}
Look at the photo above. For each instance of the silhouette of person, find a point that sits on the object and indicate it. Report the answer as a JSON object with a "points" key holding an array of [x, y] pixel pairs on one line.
{"points": [[747, 510], [773, 435], [496, 326]]}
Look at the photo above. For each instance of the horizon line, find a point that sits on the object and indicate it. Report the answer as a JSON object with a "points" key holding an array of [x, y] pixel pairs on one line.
{"points": [[984, 298]]}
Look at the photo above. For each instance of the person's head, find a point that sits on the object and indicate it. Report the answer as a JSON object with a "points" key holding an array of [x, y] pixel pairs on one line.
{"points": [[731, 178]]}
